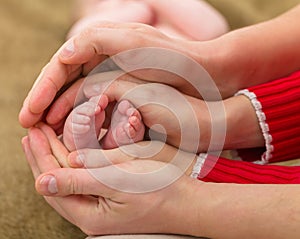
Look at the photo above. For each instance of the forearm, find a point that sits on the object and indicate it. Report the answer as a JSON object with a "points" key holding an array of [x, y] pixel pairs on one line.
{"points": [[236, 211], [228, 124], [254, 54], [266, 115], [276, 106]]}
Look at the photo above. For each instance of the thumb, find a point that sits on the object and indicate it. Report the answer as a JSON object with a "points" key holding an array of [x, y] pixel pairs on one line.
{"points": [[105, 38], [139, 176], [66, 181]]}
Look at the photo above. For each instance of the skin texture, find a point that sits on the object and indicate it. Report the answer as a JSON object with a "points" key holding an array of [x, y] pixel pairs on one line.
{"points": [[153, 101], [244, 214], [83, 125], [111, 211], [85, 50]]}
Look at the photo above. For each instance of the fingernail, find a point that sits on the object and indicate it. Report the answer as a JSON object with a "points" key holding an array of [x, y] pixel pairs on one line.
{"points": [[69, 49], [49, 184]]}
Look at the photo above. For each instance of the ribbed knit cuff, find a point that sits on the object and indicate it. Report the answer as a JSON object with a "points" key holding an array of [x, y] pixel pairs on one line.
{"points": [[277, 106], [221, 170]]}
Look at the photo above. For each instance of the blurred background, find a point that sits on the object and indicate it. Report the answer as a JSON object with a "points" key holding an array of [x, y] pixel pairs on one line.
{"points": [[30, 32]]}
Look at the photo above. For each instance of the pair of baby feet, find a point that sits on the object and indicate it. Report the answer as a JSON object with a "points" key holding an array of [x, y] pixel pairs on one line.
{"points": [[84, 125]]}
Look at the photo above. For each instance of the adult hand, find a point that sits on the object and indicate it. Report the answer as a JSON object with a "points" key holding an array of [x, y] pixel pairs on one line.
{"points": [[186, 207], [180, 120], [79, 55], [232, 62], [189, 123], [110, 211]]}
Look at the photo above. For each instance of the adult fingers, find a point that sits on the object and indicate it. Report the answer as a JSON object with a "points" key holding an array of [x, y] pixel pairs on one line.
{"points": [[26, 117], [118, 85], [64, 104], [78, 93], [113, 84], [143, 53], [147, 150], [109, 182], [30, 158], [105, 38], [58, 150], [75, 208], [86, 88], [67, 181], [44, 90], [36, 172], [97, 158], [41, 150]]}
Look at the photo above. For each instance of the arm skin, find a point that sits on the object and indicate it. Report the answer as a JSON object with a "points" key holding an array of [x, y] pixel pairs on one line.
{"points": [[253, 55], [236, 211], [239, 59], [206, 209]]}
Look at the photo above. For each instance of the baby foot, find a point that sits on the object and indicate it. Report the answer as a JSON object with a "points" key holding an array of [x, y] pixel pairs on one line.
{"points": [[126, 127], [84, 123]]}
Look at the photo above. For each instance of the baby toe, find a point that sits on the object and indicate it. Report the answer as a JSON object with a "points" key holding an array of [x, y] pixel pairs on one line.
{"points": [[121, 136], [123, 106], [80, 119], [133, 112], [130, 131], [135, 123], [88, 109], [80, 128]]}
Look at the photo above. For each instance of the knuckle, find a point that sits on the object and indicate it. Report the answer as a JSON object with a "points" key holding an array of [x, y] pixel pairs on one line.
{"points": [[74, 186]]}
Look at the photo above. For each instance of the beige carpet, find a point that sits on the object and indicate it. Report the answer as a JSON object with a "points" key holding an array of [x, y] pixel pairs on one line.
{"points": [[30, 32]]}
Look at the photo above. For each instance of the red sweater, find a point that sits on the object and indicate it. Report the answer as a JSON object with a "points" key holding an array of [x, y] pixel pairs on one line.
{"points": [[277, 106]]}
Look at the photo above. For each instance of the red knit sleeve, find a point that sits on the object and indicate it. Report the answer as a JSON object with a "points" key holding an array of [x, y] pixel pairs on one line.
{"points": [[210, 168], [277, 106]]}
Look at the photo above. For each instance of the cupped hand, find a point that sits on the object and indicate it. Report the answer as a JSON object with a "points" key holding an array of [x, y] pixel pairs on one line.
{"points": [[109, 210], [79, 55], [180, 120]]}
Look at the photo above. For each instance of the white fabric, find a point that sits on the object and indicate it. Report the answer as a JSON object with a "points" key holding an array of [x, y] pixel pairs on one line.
{"points": [[263, 125], [198, 165]]}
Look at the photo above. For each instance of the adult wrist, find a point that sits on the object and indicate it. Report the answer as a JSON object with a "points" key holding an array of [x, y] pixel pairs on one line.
{"points": [[218, 57], [277, 108], [243, 128]]}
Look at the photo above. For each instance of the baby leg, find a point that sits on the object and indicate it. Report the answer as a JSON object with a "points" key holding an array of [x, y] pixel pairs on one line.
{"points": [[188, 19], [84, 123], [92, 11], [126, 127]]}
